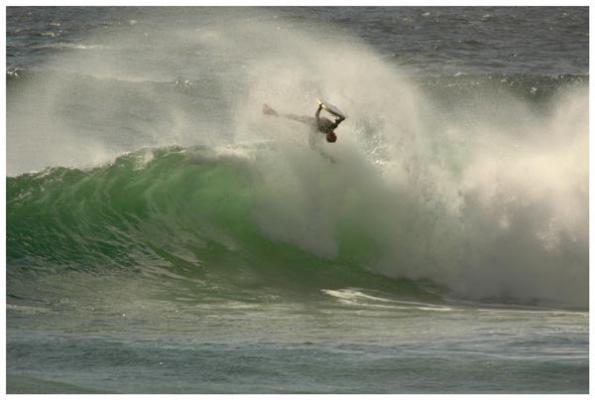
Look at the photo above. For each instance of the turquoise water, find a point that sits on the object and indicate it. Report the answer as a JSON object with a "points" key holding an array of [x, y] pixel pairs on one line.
{"points": [[326, 342]]}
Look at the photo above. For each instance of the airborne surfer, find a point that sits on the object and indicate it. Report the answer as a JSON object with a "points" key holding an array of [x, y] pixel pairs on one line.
{"points": [[319, 124]]}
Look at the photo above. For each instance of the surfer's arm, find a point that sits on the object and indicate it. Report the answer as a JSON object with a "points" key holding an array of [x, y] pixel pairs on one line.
{"points": [[338, 120], [318, 111]]}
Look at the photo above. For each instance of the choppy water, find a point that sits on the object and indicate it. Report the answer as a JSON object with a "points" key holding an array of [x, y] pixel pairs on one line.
{"points": [[164, 236]]}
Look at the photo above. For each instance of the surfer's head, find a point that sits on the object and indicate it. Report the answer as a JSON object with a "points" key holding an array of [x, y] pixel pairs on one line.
{"points": [[331, 137]]}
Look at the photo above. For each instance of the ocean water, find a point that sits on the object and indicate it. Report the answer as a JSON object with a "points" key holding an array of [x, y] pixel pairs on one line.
{"points": [[164, 236]]}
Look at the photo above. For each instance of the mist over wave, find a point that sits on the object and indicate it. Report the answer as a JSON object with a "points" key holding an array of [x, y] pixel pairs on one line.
{"points": [[484, 191]]}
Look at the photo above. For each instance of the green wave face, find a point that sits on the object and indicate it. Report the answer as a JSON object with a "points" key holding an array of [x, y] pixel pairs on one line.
{"points": [[178, 212]]}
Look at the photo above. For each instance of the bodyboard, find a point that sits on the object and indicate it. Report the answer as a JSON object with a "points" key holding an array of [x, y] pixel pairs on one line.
{"points": [[331, 109]]}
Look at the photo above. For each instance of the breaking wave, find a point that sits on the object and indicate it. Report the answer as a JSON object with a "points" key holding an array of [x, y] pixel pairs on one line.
{"points": [[475, 185]]}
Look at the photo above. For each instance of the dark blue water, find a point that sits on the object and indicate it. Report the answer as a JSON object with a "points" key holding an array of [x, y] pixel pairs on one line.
{"points": [[439, 40]]}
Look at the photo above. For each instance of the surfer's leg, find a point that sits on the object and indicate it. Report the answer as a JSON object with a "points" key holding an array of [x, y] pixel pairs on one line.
{"points": [[267, 110], [300, 118]]}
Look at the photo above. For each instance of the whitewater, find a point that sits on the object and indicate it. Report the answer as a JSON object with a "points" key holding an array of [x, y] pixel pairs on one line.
{"points": [[160, 228]]}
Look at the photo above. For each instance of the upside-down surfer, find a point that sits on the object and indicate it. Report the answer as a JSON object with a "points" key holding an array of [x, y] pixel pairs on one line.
{"points": [[319, 124]]}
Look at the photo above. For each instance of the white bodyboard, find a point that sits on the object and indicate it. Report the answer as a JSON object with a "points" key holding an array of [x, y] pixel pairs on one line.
{"points": [[331, 109]]}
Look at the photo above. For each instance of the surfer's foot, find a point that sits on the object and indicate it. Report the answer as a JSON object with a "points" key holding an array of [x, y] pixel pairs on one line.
{"points": [[268, 110]]}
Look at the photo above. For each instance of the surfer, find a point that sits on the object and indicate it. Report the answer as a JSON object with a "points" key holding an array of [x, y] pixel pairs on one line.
{"points": [[319, 124]]}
